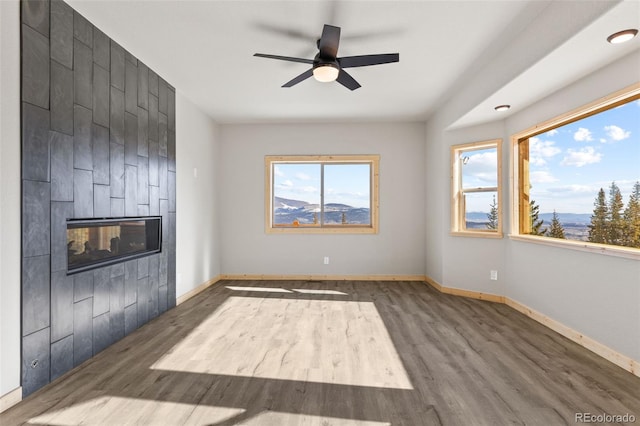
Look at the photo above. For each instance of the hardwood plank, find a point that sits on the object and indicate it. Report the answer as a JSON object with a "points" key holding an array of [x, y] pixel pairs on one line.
{"points": [[338, 352]]}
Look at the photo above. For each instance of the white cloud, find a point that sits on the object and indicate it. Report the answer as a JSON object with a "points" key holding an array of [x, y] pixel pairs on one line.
{"points": [[481, 166], [287, 184], [574, 189], [582, 135], [489, 159], [581, 157], [303, 176], [616, 133], [542, 176], [277, 171], [552, 132], [309, 189], [540, 150]]}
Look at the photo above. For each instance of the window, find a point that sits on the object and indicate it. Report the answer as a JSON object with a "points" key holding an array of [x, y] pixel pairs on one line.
{"points": [[475, 183], [577, 177], [321, 194]]}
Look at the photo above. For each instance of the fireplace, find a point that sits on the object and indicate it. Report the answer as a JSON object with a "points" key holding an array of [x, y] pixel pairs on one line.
{"points": [[93, 243]]}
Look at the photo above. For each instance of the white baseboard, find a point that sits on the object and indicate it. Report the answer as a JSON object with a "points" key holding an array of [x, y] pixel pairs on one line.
{"points": [[322, 277], [594, 346], [202, 287]]}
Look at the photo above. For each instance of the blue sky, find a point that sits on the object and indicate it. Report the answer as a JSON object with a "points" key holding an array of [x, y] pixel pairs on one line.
{"points": [[344, 184], [570, 164]]}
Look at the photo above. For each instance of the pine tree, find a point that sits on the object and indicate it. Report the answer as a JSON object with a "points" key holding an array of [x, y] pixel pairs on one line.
{"points": [[493, 215], [536, 223], [598, 226], [614, 216], [631, 231], [555, 230]]}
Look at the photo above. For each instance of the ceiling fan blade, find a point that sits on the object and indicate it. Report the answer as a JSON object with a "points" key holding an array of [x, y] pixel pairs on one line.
{"points": [[328, 43], [287, 32], [284, 58], [366, 60], [305, 75], [347, 81]]}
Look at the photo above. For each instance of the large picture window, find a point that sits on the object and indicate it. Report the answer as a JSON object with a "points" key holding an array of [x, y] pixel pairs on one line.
{"points": [[475, 183], [322, 194], [577, 177]]}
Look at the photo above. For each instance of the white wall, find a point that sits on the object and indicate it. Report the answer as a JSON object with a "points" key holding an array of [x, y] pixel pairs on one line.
{"points": [[398, 248], [456, 261], [9, 196], [197, 162], [596, 295]]}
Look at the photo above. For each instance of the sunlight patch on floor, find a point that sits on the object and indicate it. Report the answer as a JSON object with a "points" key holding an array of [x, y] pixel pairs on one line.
{"points": [[319, 291], [259, 289], [114, 410], [322, 341], [274, 418]]}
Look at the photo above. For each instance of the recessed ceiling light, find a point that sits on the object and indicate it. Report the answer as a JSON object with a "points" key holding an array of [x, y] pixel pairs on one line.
{"points": [[502, 107], [622, 36]]}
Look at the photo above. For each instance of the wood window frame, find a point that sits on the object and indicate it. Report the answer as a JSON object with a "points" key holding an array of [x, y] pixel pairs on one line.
{"points": [[458, 221], [519, 175], [372, 160]]}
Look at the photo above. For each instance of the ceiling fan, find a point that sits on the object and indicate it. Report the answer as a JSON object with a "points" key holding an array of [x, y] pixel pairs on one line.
{"points": [[326, 66]]}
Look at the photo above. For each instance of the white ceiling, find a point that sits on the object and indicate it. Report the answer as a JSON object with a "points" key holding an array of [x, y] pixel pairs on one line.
{"points": [[205, 48]]}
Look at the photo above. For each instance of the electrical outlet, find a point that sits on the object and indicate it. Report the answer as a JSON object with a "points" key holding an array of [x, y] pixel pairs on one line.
{"points": [[493, 275], [326, 260]]}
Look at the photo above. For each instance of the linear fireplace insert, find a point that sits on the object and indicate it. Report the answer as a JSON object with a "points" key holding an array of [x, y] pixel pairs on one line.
{"points": [[93, 243]]}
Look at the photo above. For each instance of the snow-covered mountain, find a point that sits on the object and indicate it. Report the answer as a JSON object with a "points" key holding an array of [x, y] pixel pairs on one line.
{"points": [[287, 211]]}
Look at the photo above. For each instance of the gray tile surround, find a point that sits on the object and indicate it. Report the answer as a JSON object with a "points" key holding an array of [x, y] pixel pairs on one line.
{"points": [[35, 143], [35, 360], [61, 305], [97, 128], [117, 66], [101, 157], [61, 146], [61, 356], [82, 136], [100, 95], [116, 110], [35, 67], [36, 300], [62, 33], [82, 73], [36, 211], [61, 98], [101, 49], [35, 13]]}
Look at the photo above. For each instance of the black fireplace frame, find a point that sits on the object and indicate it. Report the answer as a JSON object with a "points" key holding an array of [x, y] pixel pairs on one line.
{"points": [[153, 237]]}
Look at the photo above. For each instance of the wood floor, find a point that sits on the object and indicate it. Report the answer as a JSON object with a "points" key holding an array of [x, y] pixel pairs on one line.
{"points": [[335, 353]]}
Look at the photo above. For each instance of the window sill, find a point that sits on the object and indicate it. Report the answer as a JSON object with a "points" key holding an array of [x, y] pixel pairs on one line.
{"points": [[317, 230], [608, 250], [476, 234]]}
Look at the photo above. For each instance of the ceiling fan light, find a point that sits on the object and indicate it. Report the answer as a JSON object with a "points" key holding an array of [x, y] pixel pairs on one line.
{"points": [[326, 73], [622, 36]]}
